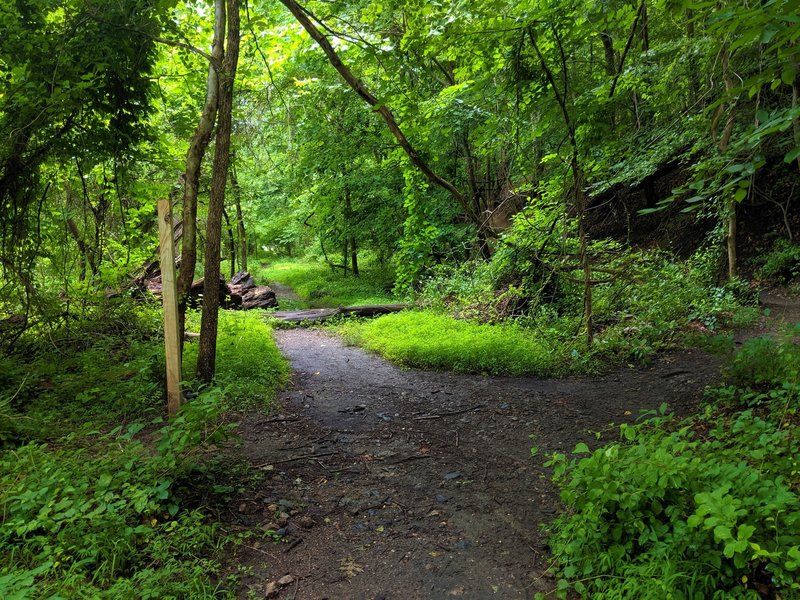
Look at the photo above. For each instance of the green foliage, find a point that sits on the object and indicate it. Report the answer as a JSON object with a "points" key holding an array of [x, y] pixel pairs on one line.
{"points": [[98, 513], [641, 308], [670, 511], [99, 494], [781, 264], [321, 286], [764, 361], [428, 340], [707, 507], [250, 368]]}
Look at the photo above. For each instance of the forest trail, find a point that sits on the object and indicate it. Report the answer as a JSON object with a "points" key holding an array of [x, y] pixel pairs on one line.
{"points": [[410, 485]]}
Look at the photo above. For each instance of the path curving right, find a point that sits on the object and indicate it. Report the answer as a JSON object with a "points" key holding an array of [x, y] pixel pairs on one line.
{"points": [[403, 485]]}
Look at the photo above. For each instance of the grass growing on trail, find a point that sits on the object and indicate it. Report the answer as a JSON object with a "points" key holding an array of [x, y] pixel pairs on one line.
{"points": [[321, 287], [100, 495], [428, 340]]}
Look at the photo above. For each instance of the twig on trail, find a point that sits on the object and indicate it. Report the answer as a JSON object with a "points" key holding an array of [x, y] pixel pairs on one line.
{"points": [[449, 414], [456, 438], [272, 556], [409, 458], [301, 457], [674, 373], [293, 545]]}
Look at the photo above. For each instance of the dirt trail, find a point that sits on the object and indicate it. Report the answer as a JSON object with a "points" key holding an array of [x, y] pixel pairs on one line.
{"points": [[419, 485]]}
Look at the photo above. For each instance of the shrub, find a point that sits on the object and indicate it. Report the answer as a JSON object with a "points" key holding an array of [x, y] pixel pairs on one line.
{"points": [[704, 508], [782, 264], [672, 513], [80, 518]]}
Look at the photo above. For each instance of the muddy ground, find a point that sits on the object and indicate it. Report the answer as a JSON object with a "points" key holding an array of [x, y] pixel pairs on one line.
{"points": [[401, 485]]}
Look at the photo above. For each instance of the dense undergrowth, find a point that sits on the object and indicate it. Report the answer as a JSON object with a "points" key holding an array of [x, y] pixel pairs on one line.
{"points": [[100, 495], [706, 507], [475, 321]]}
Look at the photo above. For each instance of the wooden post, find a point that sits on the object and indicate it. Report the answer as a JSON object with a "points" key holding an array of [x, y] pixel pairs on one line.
{"points": [[169, 295]]}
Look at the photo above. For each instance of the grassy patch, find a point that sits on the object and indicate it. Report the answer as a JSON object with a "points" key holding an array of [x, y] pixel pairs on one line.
{"points": [[250, 368], [100, 496], [428, 340], [321, 287]]}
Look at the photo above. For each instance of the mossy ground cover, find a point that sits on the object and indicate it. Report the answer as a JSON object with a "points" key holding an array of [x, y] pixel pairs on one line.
{"points": [[100, 495], [429, 340]]}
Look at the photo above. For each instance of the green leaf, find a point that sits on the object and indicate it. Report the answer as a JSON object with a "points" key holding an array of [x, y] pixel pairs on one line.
{"points": [[581, 448], [792, 155], [788, 74]]}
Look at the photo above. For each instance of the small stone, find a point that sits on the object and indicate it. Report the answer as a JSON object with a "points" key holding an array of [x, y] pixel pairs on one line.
{"points": [[243, 508], [452, 475], [271, 590], [273, 508], [441, 498], [283, 519], [305, 522], [286, 580]]}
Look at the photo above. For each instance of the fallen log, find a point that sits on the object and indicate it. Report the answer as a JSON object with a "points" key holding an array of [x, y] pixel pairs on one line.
{"points": [[317, 315]]}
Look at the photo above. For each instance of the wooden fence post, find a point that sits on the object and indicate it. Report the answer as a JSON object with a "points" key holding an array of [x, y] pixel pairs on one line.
{"points": [[169, 295]]}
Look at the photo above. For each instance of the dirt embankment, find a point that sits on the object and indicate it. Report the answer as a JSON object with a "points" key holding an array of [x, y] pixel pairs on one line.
{"points": [[391, 484]]}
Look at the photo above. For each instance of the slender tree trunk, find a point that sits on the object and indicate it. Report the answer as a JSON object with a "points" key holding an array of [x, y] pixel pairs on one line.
{"points": [[231, 242], [694, 82], [194, 161], [796, 122], [346, 255], [577, 193], [724, 141], [237, 198], [207, 354], [354, 256]]}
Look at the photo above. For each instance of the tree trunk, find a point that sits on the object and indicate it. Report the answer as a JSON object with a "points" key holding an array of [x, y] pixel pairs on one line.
{"points": [[727, 132], [354, 255], [231, 242], [345, 255], [194, 161], [694, 82], [796, 122], [207, 353], [237, 198], [733, 265]]}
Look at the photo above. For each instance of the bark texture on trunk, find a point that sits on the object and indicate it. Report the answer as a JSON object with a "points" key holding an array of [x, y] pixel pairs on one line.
{"points": [[194, 161], [237, 198], [207, 353]]}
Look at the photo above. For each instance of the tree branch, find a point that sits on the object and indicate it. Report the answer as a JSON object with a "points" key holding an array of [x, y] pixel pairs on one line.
{"points": [[303, 17]]}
